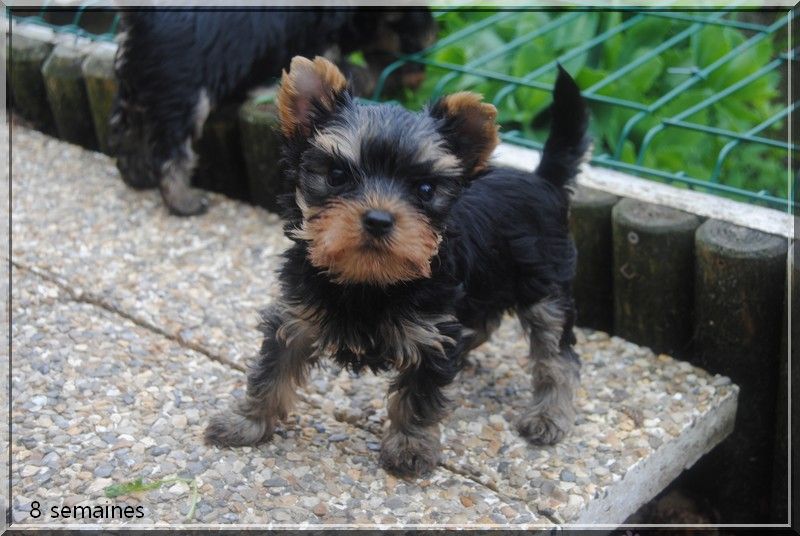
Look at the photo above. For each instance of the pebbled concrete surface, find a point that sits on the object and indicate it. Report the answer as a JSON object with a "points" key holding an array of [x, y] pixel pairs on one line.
{"points": [[131, 325]]}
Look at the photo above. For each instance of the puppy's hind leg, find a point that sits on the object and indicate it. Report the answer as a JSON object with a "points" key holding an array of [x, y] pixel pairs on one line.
{"points": [[287, 352], [555, 369]]}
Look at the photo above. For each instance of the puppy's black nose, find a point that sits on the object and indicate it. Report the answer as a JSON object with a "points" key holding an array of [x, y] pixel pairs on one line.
{"points": [[378, 222]]}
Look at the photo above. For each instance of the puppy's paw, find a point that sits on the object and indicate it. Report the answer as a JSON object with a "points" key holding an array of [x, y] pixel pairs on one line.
{"points": [[234, 430], [189, 203], [544, 428], [407, 455]]}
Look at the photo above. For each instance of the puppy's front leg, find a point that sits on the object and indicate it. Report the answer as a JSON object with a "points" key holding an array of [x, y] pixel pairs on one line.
{"points": [[417, 403], [272, 380]]}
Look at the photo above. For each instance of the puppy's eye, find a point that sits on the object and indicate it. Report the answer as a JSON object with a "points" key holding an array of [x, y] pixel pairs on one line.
{"points": [[337, 177], [425, 191]]}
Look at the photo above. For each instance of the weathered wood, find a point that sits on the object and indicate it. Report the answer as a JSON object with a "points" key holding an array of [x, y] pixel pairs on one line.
{"points": [[704, 205], [4, 60], [66, 93], [221, 166], [101, 86], [590, 223], [779, 503], [258, 123], [653, 266], [27, 55], [740, 287], [794, 376]]}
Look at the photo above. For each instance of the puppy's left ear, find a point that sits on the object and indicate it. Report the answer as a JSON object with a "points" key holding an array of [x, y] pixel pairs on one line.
{"points": [[308, 92], [469, 127]]}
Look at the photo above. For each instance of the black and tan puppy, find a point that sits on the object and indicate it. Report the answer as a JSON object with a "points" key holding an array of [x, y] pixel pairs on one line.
{"points": [[409, 247], [175, 65]]}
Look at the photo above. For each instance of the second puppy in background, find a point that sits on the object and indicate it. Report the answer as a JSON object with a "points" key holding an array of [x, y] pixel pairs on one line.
{"points": [[175, 65], [409, 245]]}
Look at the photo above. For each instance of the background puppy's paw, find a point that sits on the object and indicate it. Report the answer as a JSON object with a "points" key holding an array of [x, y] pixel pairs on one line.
{"points": [[189, 203], [543, 428], [410, 455], [233, 430]]}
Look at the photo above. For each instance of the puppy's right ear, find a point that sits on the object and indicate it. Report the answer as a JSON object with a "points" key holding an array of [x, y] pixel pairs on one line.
{"points": [[308, 91]]}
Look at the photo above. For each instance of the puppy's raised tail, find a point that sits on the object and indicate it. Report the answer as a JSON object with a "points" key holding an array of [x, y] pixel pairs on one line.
{"points": [[569, 143]]}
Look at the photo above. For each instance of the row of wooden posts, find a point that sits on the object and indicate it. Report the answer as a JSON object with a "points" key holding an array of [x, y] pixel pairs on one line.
{"points": [[711, 293], [706, 291]]}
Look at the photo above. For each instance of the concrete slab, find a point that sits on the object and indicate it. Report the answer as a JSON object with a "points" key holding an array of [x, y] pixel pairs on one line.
{"points": [[641, 420], [200, 279], [98, 400], [198, 282]]}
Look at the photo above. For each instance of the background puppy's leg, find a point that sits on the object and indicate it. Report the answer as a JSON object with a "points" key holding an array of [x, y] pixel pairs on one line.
{"points": [[128, 142], [179, 165], [272, 380], [176, 180], [555, 369]]}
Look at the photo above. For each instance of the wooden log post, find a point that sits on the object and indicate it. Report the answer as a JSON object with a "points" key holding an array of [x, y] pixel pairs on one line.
{"points": [[258, 125], [653, 267], [779, 503], [66, 92], [740, 287], [221, 165], [27, 55], [794, 377], [101, 87], [590, 223]]}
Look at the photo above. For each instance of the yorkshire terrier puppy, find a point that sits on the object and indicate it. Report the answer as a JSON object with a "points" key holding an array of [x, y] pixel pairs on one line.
{"points": [[174, 66], [408, 248]]}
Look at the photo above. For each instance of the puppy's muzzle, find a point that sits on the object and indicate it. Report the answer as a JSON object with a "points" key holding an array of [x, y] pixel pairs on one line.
{"points": [[378, 223]]}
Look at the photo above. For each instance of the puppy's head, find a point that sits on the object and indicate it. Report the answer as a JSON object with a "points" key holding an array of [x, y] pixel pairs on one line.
{"points": [[400, 33], [383, 35], [374, 183]]}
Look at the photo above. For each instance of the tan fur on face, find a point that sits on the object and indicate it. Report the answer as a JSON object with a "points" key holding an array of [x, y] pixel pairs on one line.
{"points": [[478, 122], [306, 82], [339, 244]]}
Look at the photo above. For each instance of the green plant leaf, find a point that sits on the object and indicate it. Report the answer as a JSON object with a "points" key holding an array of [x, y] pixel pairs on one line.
{"points": [[357, 58], [628, 152], [138, 485], [672, 149], [529, 57], [452, 54], [644, 76], [709, 45], [575, 33], [134, 486]]}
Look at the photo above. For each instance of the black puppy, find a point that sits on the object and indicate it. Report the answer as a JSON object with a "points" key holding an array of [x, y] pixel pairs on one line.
{"points": [[409, 247], [174, 66]]}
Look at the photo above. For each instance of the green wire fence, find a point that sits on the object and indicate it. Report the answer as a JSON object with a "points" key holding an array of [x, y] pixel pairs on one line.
{"points": [[697, 99], [100, 25], [700, 101]]}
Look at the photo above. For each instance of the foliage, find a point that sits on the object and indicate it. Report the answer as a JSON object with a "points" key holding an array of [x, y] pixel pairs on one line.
{"points": [[750, 166], [138, 485]]}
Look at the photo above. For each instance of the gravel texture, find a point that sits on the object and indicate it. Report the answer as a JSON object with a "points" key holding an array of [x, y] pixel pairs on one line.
{"points": [[117, 365], [98, 400]]}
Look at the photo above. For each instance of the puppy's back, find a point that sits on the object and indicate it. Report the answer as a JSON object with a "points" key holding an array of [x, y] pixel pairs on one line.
{"points": [[222, 51]]}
